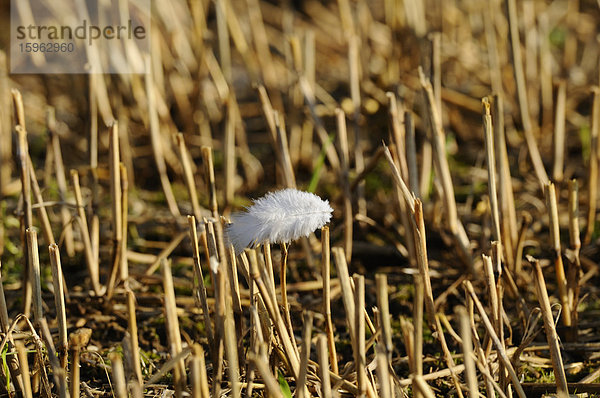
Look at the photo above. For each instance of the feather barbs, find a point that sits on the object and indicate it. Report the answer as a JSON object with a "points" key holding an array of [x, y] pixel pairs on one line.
{"points": [[278, 217]]}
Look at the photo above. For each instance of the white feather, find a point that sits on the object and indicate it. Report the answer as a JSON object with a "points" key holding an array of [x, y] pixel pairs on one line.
{"points": [[281, 216]]}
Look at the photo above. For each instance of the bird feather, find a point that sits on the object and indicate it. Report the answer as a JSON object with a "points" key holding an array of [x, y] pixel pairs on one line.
{"points": [[281, 216]]}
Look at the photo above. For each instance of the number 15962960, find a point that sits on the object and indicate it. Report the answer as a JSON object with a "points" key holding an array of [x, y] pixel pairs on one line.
{"points": [[46, 47]]}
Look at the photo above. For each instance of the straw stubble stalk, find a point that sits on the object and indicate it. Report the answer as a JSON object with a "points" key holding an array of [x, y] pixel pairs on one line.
{"points": [[528, 128], [307, 318], [325, 275], [505, 194], [42, 213], [115, 193], [77, 341], [229, 152], [61, 183], [490, 282], [172, 325], [59, 302], [347, 296], [384, 310], [344, 169], [118, 373], [360, 359], [124, 266], [232, 276], [417, 350], [411, 153], [5, 133], [91, 262], [24, 366], [423, 266], [198, 373], [551, 336], [27, 218], [276, 318], [156, 141], [559, 131], [397, 134], [5, 325], [499, 347], [350, 306], [467, 346], [133, 333], [261, 364], [200, 288], [284, 151], [283, 286], [34, 261], [383, 374], [59, 373], [554, 227], [323, 366], [491, 168], [231, 351], [593, 167], [574, 273], [4, 320], [482, 363], [355, 78], [441, 164], [188, 175]]}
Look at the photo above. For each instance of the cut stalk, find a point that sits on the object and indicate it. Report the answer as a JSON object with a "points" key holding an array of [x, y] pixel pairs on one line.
{"points": [[574, 273], [283, 286], [441, 163], [491, 169], [34, 261], [593, 167], [559, 268], [198, 371], [289, 350], [360, 360], [384, 310], [325, 274], [61, 183], [172, 325], [22, 354], [85, 234], [345, 160], [411, 154], [551, 336], [188, 175], [133, 333], [528, 128], [324, 366], [77, 341], [499, 347], [233, 369], [417, 350], [118, 373], [27, 219], [124, 266], [559, 131], [467, 346], [505, 194], [307, 318], [199, 282], [59, 302], [156, 140], [385, 381]]}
